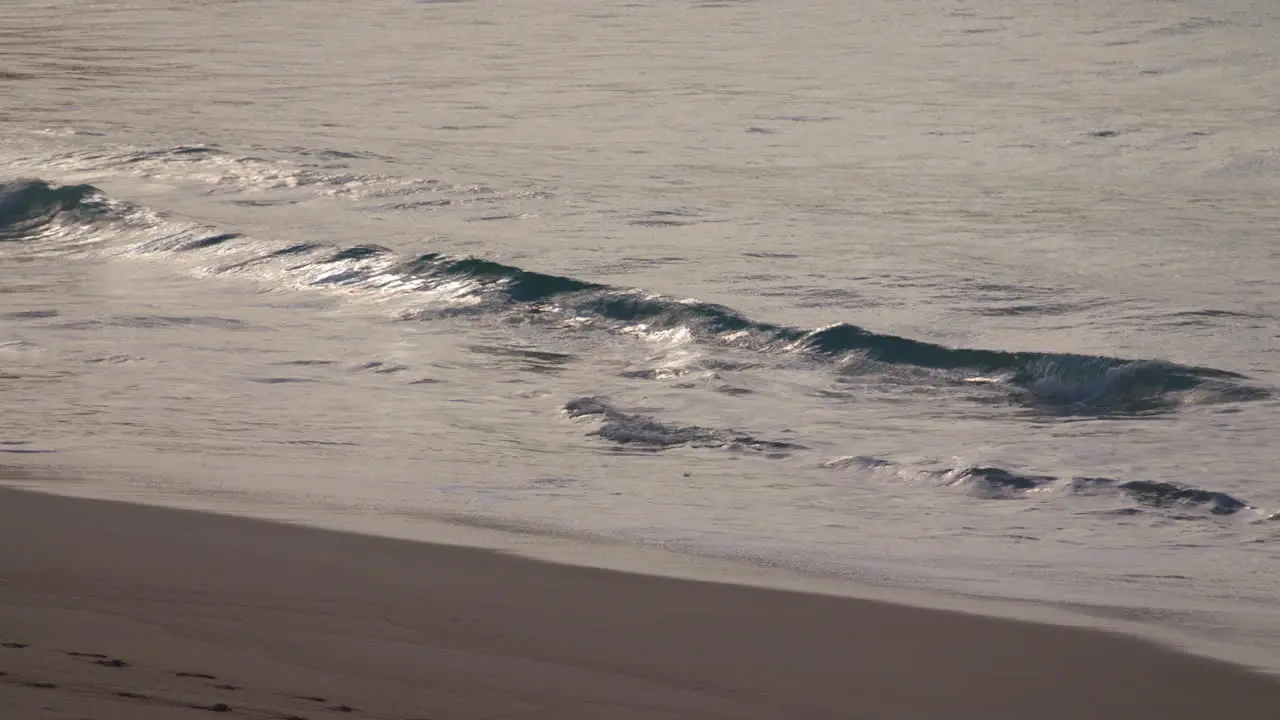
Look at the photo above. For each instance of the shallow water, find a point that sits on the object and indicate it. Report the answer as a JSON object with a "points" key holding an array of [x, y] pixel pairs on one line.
{"points": [[970, 296]]}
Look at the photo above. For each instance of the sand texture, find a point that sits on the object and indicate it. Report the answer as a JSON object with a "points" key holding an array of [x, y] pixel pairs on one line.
{"points": [[112, 611]]}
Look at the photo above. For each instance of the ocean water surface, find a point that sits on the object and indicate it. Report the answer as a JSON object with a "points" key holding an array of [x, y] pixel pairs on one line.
{"points": [[980, 297]]}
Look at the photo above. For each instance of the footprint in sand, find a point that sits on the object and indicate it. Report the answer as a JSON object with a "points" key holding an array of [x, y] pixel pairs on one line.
{"points": [[98, 658]]}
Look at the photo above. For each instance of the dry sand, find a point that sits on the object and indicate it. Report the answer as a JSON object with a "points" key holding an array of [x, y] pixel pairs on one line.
{"points": [[110, 610]]}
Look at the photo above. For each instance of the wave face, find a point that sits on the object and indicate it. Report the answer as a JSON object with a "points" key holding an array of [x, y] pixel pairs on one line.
{"points": [[28, 207], [448, 285]]}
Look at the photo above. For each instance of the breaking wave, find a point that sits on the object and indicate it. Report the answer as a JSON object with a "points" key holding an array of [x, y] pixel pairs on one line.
{"points": [[995, 483], [28, 207], [1055, 382]]}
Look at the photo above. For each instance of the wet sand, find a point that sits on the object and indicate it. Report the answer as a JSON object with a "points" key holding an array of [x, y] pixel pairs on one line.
{"points": [[110, 610]]}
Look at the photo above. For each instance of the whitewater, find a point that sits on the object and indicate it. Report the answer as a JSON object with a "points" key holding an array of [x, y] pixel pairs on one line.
{"points": [[979, 298]]}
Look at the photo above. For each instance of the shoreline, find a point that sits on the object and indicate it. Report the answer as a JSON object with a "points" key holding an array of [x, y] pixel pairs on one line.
{"points": [[406, 629], [563, 546]]}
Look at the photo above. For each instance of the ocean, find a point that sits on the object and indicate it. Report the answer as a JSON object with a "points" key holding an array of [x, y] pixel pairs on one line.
{"points": [[975, 297]]}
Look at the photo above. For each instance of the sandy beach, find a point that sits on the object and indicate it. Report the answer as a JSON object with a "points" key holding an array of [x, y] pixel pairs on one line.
{"points": [[109, 610]]}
